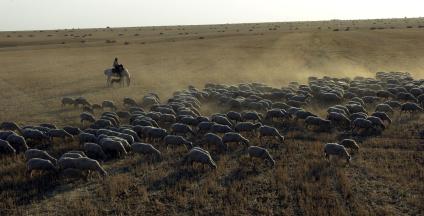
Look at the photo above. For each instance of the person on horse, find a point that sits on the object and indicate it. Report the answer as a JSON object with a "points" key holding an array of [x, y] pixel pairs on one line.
{"points": [[117, 68]]}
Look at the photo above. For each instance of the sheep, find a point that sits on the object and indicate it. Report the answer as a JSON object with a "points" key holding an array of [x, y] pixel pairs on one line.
{"points": [[302, 114], [60, 133], [88, 109], [165, 110], [179, 128], [83, 164], [234, 137], [156, 133], [124, 114], [336, 150], [189, 120], [246, 127], [361, 124], [17, 142], [85, 116], [329, 97], [358, 115], [144, 148], [204, 126], [39, 164], [108, 104], [384, 94], [324, 125], [113, 147], [337, 110], [5, 134], [48, 125], [35, 153], [377, 122], [168, 118], [123, 141], [277, 113], [106, 121], [200, 156], [94, 151], [394, 104], [67, 101], [218, 128], [177, 140], [127, 134], [251, 116], [403, 96], [6, 148], [339, 119], [213, 139], [134, 109], [74, 131], [259, 152], [149, 101], [383, 116], [384, 108], [81, 101], [221, 120], [12, 126], [35, 135], [350, 143], [102, 123], [411, 107], [268, 131], [234, 116], [87, 137], [356, 108], [129, 102]]}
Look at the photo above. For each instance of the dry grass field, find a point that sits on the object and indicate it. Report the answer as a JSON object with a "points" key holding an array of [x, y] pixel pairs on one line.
{"points": [[386, 177]]}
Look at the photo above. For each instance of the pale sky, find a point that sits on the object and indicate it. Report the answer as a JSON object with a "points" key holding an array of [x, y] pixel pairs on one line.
{"points": [[59, 14]]}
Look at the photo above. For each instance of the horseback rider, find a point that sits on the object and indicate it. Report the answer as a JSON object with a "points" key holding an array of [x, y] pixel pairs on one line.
{"points": [[117, 68]]}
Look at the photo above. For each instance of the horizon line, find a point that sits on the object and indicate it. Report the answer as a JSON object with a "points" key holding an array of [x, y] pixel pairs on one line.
{"points": [[212, 24]]}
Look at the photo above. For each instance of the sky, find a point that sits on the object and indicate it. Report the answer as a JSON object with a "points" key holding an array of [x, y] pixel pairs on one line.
{"points": [[60, 14]]}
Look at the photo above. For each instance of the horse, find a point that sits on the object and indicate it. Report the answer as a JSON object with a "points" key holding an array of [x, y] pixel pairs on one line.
{"points": [[124, 74]]}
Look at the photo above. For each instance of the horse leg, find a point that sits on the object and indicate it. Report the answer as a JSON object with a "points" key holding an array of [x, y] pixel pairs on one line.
{"points": [[108, 81]]}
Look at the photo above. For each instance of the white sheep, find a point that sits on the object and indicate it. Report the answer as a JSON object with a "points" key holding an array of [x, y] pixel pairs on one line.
{"points": [[350, 143], [17, 142], [94, 151], [215, 140], [60, 133], [268, 131], [41, 165], [232, 137], [146, 149], [177, 141], [199, 156], [35, 153], [6, 148], [108, 104], [113, 146], [336, 150], [83, 164], [85, 116], [259, 152], [67, 101]]}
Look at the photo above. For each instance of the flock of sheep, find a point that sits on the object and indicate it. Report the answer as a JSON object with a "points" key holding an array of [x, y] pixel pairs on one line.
{"points": [[360, 107]]}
